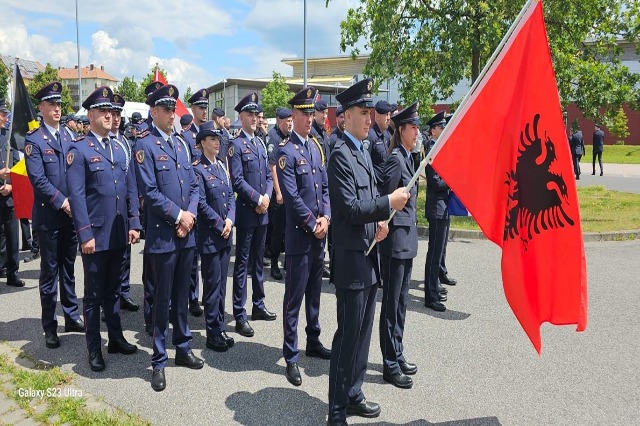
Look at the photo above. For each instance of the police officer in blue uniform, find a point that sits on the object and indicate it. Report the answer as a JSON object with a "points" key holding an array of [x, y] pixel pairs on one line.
{"points": [[104, 206], [277, 215], [252, 182], [380, 138], [45, 151], [8, 222], [437, 213], [398, 250], [168, 185], [358, 214], [302, 176], [337, 133], [218, 117], [117, 106], [216, 213], [199, 103]]}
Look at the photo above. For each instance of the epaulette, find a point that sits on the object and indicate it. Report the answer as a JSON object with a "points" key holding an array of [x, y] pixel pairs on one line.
{"points": [[395, 151], [143, 134], [195, 163], [79, 138], [284, 142], [179, 135], [32, 131]]}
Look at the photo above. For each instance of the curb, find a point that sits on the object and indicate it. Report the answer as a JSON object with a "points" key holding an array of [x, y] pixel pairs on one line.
{"points": [[470, 234]]}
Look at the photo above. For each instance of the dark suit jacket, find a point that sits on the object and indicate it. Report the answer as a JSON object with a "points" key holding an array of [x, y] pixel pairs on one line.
{"points": [[598, 141], [355, 208], [402, 241], [15, 157], [577, 143]]}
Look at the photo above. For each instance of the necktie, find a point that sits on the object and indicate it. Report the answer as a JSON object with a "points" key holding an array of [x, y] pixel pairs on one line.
{"points": [[107, 145], [364, 155], [57, 136], [170, 142]]}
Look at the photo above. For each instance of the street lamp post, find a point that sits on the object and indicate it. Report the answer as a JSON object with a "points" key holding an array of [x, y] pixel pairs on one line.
{"points": [[304, 76], [78, 49]]}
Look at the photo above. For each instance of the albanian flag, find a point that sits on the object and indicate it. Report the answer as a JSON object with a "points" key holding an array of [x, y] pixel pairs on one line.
{"points": [[180, 108], [517, 181]]}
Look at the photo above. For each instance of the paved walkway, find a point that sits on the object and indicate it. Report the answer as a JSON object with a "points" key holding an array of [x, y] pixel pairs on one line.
{"points": [[476, 366]]}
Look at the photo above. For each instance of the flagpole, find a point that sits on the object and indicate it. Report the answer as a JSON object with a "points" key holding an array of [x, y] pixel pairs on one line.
{"points": [[476, 83], [429, 158], [13, 97]]}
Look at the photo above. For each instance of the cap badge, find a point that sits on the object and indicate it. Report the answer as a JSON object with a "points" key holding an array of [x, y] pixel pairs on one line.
{"points": [[55, 87], [204, 93], [158, 85], [116, 98], [105, 92], [170, 91], [308, 93], [369, 85], [253, 97]]}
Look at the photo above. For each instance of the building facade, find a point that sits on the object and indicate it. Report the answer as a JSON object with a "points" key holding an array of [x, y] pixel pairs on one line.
{"points": [[92, 78]]}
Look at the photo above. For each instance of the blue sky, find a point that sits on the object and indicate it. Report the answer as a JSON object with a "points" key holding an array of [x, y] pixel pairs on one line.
{"points": [[198, 43]]}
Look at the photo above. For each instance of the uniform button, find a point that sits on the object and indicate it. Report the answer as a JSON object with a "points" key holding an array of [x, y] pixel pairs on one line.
{"points": [[182, 198], [115, 181], [223, 194], [316, 185], [181, 182], [117, 197], [113, 167], [157, 225], [178, 165], [314, 171], [225, 205]]}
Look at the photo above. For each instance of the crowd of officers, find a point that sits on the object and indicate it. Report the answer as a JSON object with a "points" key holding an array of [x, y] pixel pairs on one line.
{"points": [[296, 187]]}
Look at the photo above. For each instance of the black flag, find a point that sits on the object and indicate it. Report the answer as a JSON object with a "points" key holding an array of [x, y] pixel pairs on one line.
{"points": [[23, 118]]}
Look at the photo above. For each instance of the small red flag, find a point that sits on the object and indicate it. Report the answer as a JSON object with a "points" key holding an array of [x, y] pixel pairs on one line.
{"points": [[180, 108], [505, 155], [22, 191]]}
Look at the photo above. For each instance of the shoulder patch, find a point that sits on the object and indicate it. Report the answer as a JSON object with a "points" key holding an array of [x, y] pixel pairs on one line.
{"points": [[27, 149], [270, 148], [195, 163], [70, 157], [140, 156], [78, 139], [230, 152], [284, 142], [143, 134], [282, 162]]}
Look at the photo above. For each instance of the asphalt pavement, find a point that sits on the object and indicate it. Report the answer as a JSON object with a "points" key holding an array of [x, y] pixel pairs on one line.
{"points": [[618, 177], [475, 364]]}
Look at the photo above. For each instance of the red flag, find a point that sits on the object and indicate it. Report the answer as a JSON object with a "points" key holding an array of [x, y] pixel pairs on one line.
{"points": [[22, 191], [180, 108], [506, 156]]}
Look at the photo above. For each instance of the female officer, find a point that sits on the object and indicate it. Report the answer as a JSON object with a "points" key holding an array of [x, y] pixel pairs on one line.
{"points": [[398, 249], [216, 213]]}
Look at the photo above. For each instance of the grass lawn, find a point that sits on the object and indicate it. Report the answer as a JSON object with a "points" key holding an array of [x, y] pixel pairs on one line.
{"points": [[601, 210], [617, 154], [57, 402]]}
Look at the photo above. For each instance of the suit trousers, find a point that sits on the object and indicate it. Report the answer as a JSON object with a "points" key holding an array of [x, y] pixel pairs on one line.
{"points": [[599, 156], [435, 251], [125, 274], [214, 267], [11, 254], [350, 348], [102, 288], [303, 279], [249, 243], [277, 219], [396, 277], [58, 257], [170, 274]]}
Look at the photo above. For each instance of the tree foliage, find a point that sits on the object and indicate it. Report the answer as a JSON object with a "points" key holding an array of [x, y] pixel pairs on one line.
{"points": [[432, 45], [5, 78], [187, 94], [130, 90], [275, 94], [49, 75], [150, 78]]}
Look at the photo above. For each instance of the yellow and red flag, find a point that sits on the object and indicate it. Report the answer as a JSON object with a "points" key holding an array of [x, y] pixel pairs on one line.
{"points": [[517, 180], [22, 190]]}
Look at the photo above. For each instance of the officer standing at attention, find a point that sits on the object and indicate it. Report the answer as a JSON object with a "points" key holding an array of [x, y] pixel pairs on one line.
{"points": [[216, 213], [8, 221], [398, 250], [218, 118], [280, 132], [168, 186], [358, 214], [104, 206], [380, 138], [45, 151], [252, 182], [199, 103], [117, 106], [303, 181], [337, 133]]}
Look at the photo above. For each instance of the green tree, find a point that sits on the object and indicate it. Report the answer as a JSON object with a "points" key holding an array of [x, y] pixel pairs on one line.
{"points": [[130, 90], [430, 46], [618, 126], [5, 78], [150, 78], [187, 95], [275, 94], [49, 75]]}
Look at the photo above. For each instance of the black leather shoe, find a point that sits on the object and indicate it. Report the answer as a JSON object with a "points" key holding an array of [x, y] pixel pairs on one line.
{"points": [[399, 380], [51, 340], [158, 382], [96, 362], [128, 304], [148, 328], [364, 409], [600, 173], [262, 314], [448, 281], [408, 368], [318, 351], [228, 339], [15, 282], [244, 329], [332, 423], [442, 297], [31, 257], [189, 360], [73, 326], [593, 174], [293, 374], [325, 272], [436, 306], [217, 343], [276, 274], [195, 309], [121, 346], [442, 290], [3, 273]]}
